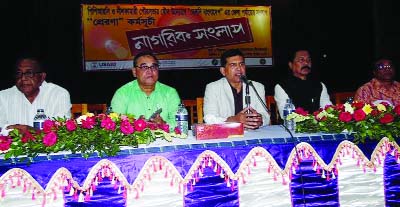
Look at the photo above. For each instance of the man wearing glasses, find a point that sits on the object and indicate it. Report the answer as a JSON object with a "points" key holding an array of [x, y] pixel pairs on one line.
{"points": [[19, 104], [224, 99], [382, 87], [300, 87], [145, 96]]}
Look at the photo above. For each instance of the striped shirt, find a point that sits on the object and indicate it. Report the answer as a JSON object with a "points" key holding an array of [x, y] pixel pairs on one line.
{"points": [[15, 108], [375, 91]]}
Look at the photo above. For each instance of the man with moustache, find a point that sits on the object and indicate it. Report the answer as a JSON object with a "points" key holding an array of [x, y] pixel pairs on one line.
{"points": [[304, 91], [224, 99], [19, 104], [382, 87], [145, 95]]}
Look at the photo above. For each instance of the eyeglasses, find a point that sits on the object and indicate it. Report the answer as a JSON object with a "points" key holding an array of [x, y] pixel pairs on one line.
{"points": [[236, 65], [145, 67], [303, 60], [28, 74], [384, 67]]}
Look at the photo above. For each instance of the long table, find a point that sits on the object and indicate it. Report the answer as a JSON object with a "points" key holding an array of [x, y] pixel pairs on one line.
{"points": [[266, 167]]}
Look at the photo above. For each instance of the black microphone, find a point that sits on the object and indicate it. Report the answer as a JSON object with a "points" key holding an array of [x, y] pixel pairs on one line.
{"points": [[244, 79], [247, 97]]}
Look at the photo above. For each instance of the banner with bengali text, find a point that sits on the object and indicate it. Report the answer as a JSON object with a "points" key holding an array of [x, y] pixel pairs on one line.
{"points": [[182, 37]]}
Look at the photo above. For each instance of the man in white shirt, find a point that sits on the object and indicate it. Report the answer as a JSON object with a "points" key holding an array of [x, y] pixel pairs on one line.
{"points": [[19, 104], [224, 99], [304, 91]]}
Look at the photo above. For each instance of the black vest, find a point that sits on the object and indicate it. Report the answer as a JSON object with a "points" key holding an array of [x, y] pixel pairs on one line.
{"points": [[304, 93]]}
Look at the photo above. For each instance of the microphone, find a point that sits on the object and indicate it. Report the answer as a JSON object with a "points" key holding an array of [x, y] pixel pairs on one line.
{"points": [[247, 97], [244, 79]]}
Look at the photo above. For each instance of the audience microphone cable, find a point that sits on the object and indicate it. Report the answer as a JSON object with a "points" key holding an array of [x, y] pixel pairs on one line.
{"points": [[244, 79]]}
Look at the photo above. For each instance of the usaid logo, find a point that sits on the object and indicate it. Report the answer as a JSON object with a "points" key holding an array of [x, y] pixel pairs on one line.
{"points": [[103, 65], [93, 65]]}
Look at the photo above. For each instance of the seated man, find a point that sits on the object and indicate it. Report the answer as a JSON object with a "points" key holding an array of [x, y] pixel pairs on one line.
{"points": [[382, 87], [144, 96], [304, 92], [223, 99], [19, 104]]}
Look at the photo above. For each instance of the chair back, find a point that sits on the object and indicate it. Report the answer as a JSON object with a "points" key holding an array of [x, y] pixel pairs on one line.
{"points": [[78, 109], [341, 97], [97, 108], [273, 109], [200, 101], [84, 108], [191, 105]]}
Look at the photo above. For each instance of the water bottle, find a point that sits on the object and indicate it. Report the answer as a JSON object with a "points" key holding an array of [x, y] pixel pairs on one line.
{"points": [[39, 118], [109, 110], [182, 118], [349, 100], [288, 109]]}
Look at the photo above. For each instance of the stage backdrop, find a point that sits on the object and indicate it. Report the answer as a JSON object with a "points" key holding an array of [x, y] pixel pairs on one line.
{"points": [[181, 36]]}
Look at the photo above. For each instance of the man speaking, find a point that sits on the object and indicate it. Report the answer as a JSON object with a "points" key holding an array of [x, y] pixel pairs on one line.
{"points": [[225, 99]]}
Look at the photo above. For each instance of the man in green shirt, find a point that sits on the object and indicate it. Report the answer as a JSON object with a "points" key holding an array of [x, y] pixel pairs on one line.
{"points": [[144, 96]]}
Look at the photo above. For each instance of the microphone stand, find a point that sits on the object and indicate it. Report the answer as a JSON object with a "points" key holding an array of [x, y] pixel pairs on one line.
{"points": [[249, 82], [247, 98], [258, 96]]}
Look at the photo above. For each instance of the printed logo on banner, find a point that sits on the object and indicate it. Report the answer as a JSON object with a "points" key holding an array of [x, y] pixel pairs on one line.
{"points": [[93, 65], [190, 36], [103, 65]]}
